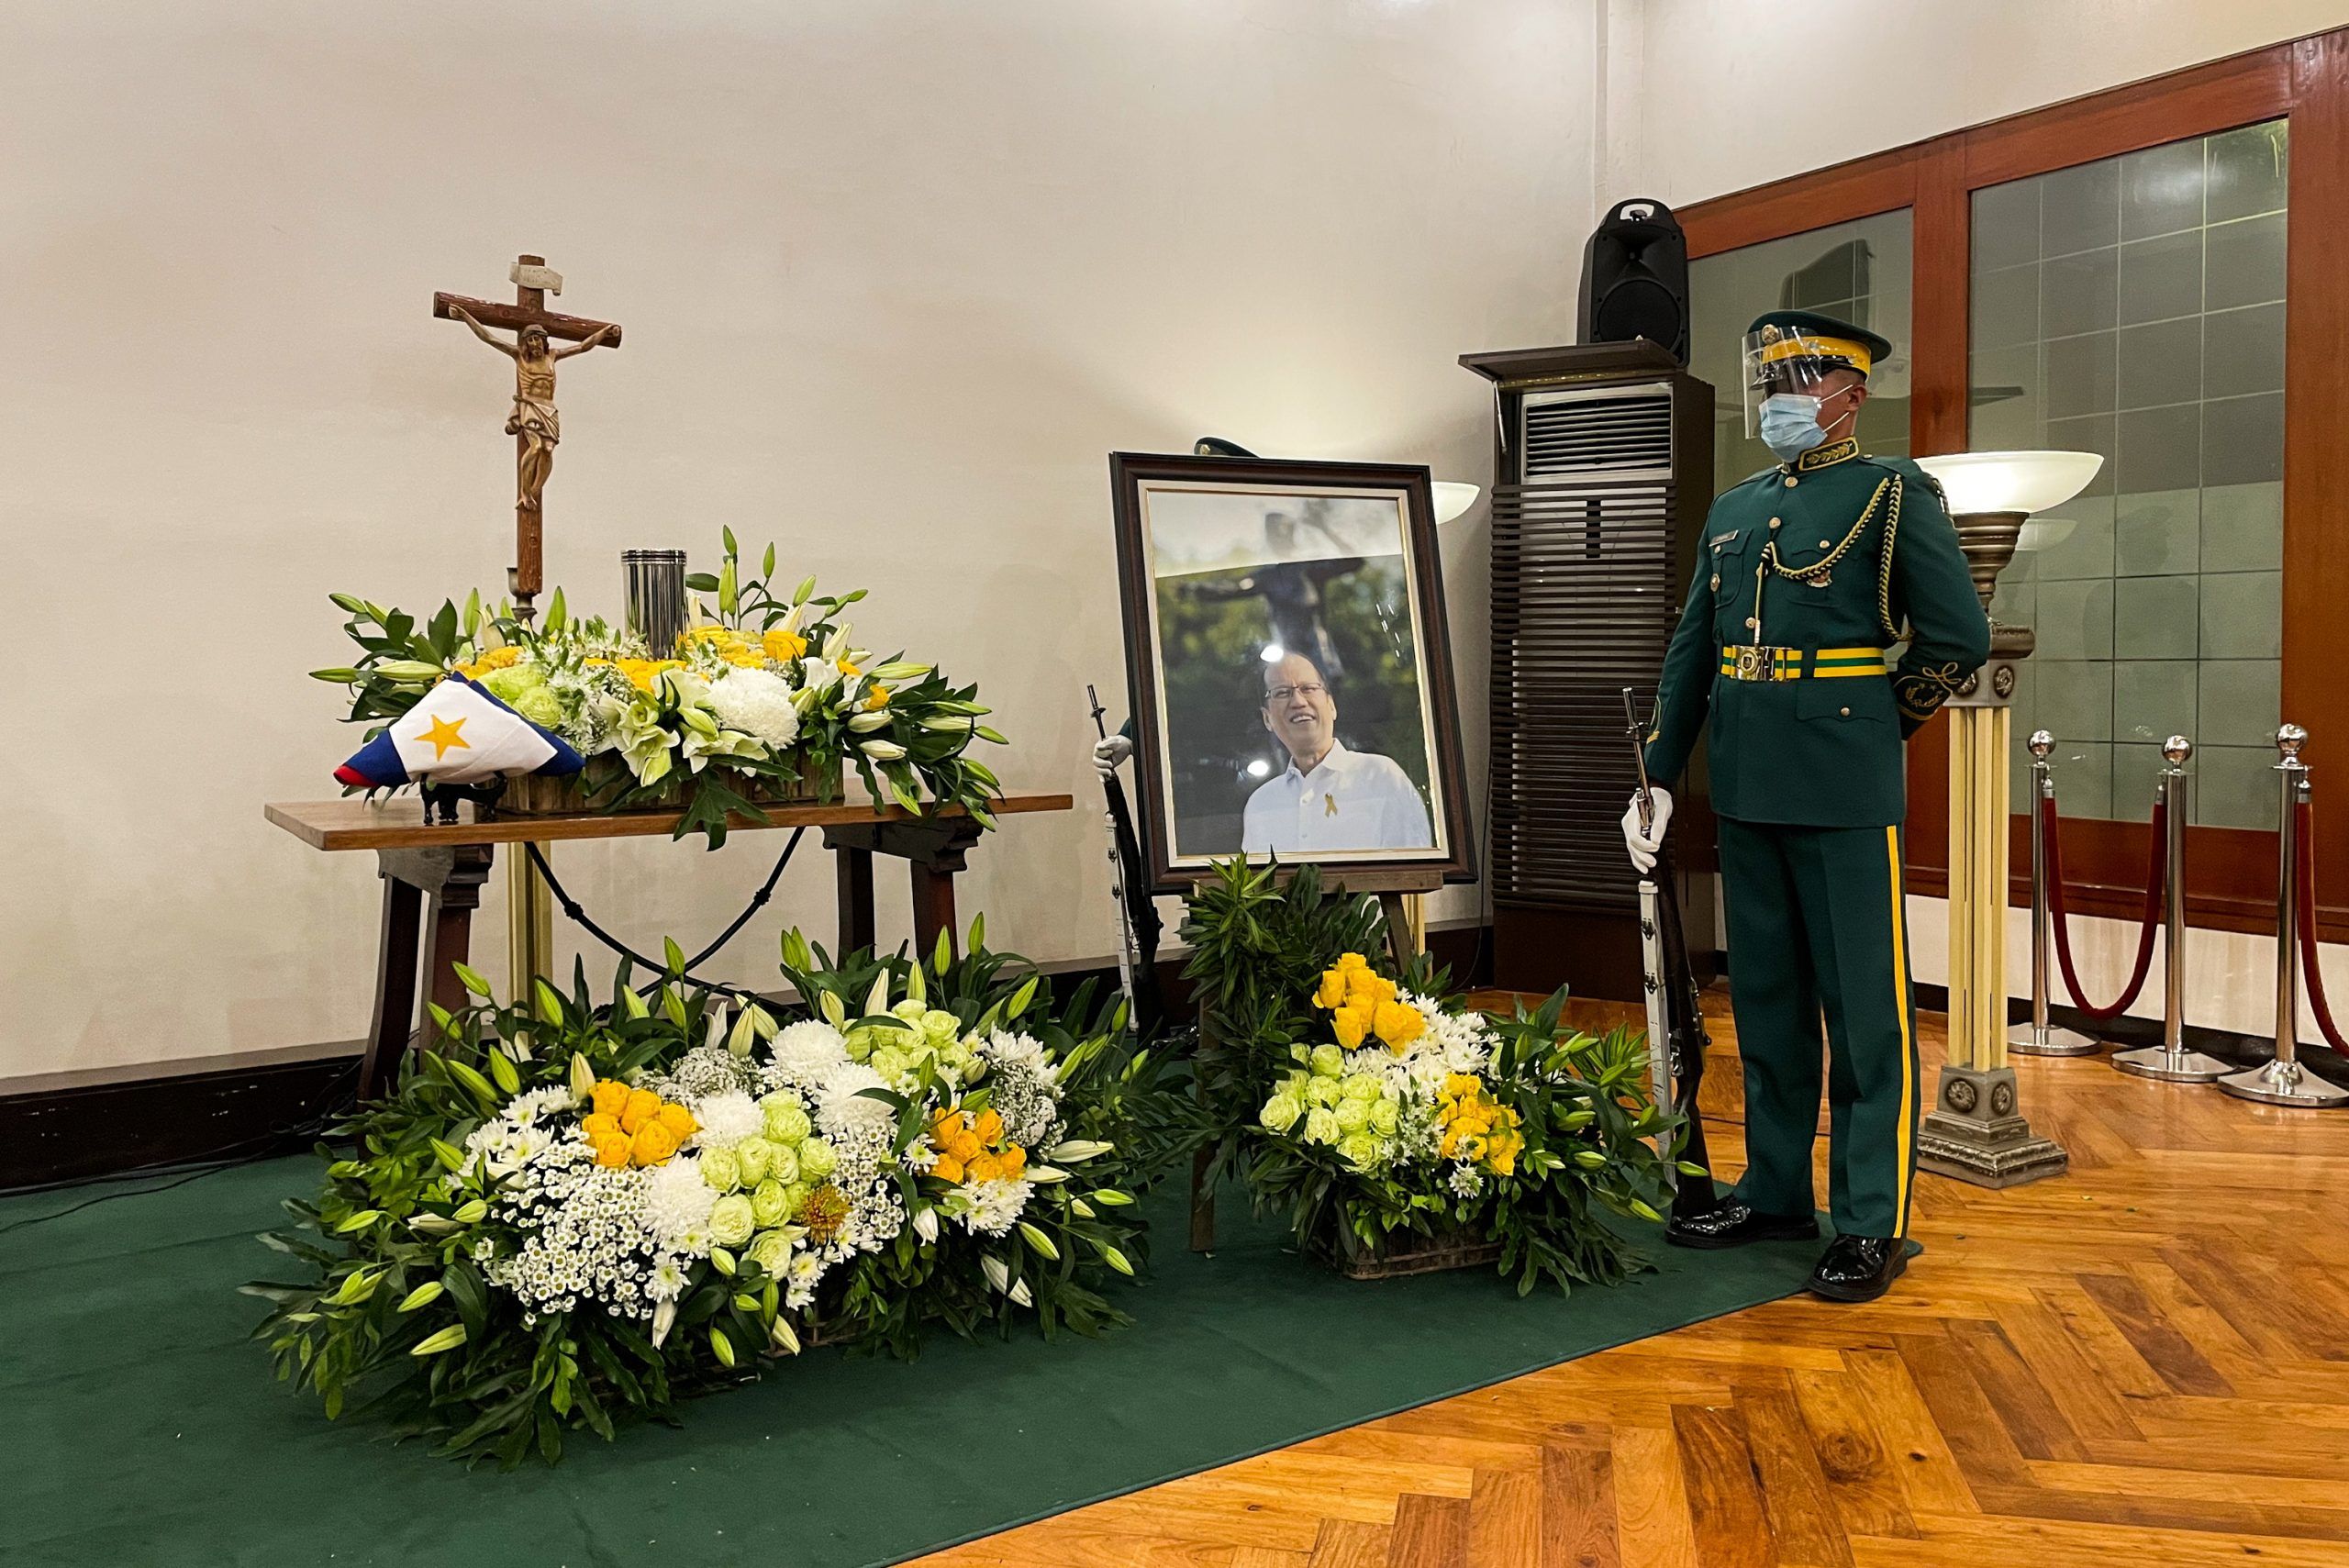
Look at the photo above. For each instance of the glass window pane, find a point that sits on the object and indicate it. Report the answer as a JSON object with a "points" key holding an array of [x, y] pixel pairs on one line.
{"points": [[2134, 307], [1857, 272]]}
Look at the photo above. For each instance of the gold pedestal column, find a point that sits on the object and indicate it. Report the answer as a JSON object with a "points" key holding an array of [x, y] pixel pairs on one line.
{"points": [[529, 926], [1975, 1130]]}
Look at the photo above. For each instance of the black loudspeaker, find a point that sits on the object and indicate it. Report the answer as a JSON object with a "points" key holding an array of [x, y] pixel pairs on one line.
{"points": [[1635, 278]]}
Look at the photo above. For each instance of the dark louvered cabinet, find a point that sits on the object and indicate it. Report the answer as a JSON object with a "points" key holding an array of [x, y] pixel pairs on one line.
{"points": [[1602, 477]]}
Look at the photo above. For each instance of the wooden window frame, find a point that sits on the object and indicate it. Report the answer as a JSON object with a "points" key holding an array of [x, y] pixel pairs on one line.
{"points": [[2231, 871]]}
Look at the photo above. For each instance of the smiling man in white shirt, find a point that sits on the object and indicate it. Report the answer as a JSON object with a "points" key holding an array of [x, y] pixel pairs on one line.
{"points": [[1328, 798]]}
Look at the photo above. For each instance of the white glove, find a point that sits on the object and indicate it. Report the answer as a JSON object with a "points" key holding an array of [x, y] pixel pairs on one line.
{"points": [[1109, 754], [1645, 847]]}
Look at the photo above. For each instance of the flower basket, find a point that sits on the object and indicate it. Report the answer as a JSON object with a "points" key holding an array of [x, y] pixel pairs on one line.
{"points": [[1402, 1253], [539, 795]]}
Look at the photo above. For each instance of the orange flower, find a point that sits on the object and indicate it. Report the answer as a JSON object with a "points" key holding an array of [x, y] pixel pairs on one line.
{"points": [[642, 1105], [610, 1097]]}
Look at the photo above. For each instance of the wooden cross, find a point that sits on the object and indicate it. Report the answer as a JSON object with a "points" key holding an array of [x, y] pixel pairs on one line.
{"points": [[533, 423]]}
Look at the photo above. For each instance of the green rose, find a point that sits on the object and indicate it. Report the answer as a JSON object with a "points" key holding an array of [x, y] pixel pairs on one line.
{"points": [[754, 1155], [1362, 1086], [515, 681], [817, 1159], [782, 1168], [943, 1027], [771, 1251], [731, 1221], [1320, 1126], [1292, 1083], [861, 1041], [1352, 1114], [540, 708], [720, 1169], [1359, 1149], [770, 1206], [909, 1010], [1322, 1092], [1327, 1060], [1383, 1115], [892, 1063], [787, 1120], [794, 1196], [1280, 1113]]}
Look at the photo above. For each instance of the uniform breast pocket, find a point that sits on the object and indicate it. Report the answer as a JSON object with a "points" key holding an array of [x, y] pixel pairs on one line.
{"points": [[1861, 702], [1733, 570]]}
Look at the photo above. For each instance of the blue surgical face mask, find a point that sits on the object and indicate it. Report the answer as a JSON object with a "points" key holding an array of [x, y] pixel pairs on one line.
{"points": [[1790, 424]]}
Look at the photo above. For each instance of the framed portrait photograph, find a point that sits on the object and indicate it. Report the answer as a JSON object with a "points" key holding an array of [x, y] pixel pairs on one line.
{"points": [[1289, 667]]}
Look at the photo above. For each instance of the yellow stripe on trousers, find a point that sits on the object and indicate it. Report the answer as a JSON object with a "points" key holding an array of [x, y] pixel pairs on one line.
{"points": [[1908, 1046]]}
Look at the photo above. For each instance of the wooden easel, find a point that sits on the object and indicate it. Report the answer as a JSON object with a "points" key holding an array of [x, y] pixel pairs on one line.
{"points": [[1399, 893]]}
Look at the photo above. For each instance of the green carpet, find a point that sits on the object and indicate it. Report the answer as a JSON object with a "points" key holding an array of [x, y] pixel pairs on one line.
{"points": [[139, 1429]]}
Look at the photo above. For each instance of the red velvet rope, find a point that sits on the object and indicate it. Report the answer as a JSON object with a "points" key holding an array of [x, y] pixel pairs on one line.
{"points": [[2056, 916], [2302, 821]]}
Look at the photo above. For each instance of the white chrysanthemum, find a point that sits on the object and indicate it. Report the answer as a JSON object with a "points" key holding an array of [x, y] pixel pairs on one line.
{"points": [[726, 1118], [525, 1108], [1007, 1048], [842, 1109], [502, 1147], [677, 1201], [807, 1051], [990, 1208], [756, 702], [668, 1280]]}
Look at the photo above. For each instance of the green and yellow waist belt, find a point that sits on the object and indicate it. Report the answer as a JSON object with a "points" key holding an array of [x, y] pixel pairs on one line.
{"points": [[1741, 662]]}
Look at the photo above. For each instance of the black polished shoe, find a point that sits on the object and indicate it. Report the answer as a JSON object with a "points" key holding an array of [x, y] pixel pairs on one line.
{"points": [[1732, 1224], [1859, 1268]]}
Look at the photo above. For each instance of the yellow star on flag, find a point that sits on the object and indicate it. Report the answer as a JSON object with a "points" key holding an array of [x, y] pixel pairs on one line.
{"points": [[443, 735]]}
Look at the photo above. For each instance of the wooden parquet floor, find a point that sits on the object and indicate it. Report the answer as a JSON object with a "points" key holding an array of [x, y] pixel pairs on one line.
{"points": [[2144, 1362]]}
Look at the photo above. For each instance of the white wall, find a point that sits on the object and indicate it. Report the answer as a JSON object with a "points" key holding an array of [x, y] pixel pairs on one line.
{"points": [[1702, 98], [1709, 97], [895, 277]]}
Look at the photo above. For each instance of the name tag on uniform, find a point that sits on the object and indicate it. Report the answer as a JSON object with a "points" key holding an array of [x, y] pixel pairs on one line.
{"points": [[1719, 539]]}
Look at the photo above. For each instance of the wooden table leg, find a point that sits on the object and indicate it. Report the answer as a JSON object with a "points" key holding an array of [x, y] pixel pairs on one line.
{"points": [[395, 1014], [444, 886], [852, 872], [933, 906]]}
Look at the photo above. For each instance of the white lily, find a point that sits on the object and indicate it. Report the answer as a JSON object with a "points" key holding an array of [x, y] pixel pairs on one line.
{"points": [[664, 1318], [882, 751], [998, 1274], [1019, 1293], [1076, 1151], [926, 1224]]}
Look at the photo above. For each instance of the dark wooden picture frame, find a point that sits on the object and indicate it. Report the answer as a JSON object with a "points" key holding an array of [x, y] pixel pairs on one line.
{"points": [[1132, 476]]}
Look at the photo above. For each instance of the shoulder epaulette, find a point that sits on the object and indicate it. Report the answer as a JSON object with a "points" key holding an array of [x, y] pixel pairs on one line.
{"points": [[1908, 468]]}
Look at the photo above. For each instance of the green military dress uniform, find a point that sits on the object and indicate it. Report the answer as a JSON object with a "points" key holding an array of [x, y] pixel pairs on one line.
{"points": [[1807, 574]]}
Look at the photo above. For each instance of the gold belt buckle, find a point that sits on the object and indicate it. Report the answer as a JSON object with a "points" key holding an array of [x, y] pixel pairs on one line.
{"points": [[1755, 665]]}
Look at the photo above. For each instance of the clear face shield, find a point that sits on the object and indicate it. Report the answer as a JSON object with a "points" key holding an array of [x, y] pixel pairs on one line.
{"points": [[1780, 360]]}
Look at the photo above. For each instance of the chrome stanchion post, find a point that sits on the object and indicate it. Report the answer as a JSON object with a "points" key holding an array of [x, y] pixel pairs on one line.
{"points": [[2284, 1081], [2035, 1037], [2170, 1060]]}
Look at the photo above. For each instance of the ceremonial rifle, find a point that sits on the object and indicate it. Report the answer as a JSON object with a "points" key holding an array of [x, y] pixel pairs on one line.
{"points": [[1138, 920], [1676, 1038]]}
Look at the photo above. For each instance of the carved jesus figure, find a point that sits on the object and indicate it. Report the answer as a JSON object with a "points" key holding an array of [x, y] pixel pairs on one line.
{"points": [[534, 417]]}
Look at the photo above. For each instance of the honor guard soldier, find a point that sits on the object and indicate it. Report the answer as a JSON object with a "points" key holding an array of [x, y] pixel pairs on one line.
{"points": [[1808, 574]]}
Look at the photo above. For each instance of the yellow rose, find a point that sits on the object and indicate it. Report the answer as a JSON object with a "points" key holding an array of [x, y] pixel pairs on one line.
{"points": [[1333, 990], [1503, 1161], [784, 646], [610, 1097], [599, 1127], [1397, 1024], [986, 1168], [1015, 1161], [678, 1120], [642, 1105], [1349, 1022], [1351, 961], [1460, 1084], [612, 1153], [948, 1170], [989, 1127], [654, 1143]]}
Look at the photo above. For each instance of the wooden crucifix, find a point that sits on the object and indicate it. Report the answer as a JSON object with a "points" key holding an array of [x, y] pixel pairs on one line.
{"points": [[533, 424]]}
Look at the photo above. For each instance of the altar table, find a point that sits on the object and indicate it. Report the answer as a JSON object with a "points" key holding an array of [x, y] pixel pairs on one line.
{"points": [[433, 875]]}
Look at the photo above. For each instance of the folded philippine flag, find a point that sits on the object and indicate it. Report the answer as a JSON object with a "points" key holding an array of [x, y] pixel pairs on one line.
{"points": [[458, 733]]}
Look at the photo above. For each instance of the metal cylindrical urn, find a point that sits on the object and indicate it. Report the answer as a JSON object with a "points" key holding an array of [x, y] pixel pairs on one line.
{"points": [[655, 582]]}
